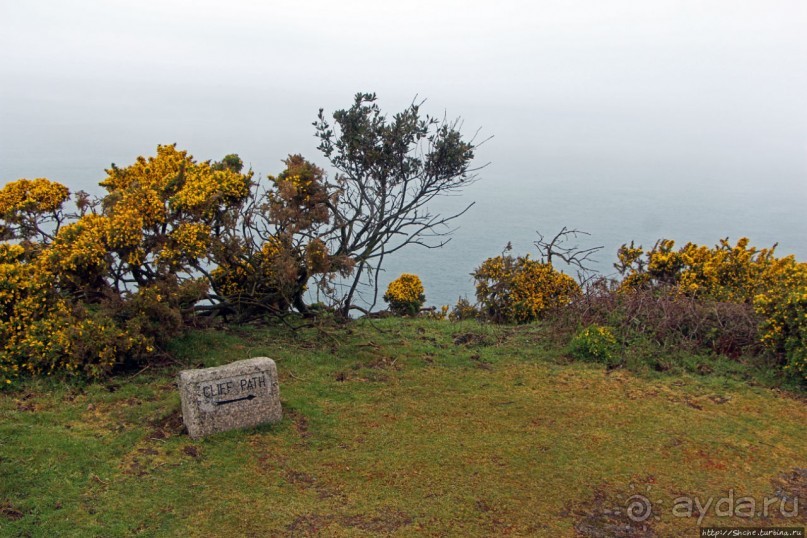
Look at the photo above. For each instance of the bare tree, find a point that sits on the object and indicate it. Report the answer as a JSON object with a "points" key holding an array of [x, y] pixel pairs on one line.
{"points": [[387, 173], [574, 256]]}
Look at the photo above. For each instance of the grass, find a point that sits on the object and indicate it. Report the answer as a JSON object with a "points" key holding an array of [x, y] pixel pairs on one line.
{"points": [[398, 428]]}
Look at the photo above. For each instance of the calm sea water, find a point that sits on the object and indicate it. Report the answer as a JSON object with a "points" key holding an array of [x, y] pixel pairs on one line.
{"points": [[612, 212], [629, 120], [699, 184]]}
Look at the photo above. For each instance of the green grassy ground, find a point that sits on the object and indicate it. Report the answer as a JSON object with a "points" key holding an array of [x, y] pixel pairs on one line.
{"points": [[398, 428]]}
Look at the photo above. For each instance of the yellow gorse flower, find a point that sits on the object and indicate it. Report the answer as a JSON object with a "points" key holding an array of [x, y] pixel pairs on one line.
{"points": [[520, 290], [736, 273], [405, 294], [155, 222], [32, 195]]}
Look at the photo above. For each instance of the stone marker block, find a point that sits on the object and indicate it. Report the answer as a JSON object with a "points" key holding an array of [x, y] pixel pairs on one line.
{"points": [[238, 395]]}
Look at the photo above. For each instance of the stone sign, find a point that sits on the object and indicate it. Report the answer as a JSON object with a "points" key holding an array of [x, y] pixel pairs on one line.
{"points": [[239, 395]]}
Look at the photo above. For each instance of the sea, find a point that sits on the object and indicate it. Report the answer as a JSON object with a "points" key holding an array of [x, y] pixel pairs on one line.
{"points": [[614, 182]]}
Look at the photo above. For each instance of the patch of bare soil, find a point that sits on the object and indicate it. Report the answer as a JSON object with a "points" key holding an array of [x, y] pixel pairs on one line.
{"points": [[192, 451], [167, 426], [471, 339], [10, 512], [308, 481], [383, 523], [148, 454], [791, 487], [300, 423], [25, 402], [605, 516]]}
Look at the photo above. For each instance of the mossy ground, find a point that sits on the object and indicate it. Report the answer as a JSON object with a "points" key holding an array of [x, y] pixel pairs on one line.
{"points": [[397, 427]]}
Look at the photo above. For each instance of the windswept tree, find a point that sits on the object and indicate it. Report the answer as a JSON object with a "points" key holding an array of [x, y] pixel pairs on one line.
{"points": [[106, 281], [388, 171]]}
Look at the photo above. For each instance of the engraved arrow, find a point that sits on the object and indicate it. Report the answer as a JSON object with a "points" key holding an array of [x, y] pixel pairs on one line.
{"points": [[250, 397]]}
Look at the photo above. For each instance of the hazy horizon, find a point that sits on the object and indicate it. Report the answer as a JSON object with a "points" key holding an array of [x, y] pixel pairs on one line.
{"points": [[631, 120]]}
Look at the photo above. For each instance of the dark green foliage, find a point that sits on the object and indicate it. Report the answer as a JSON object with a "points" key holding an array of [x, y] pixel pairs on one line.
{"points": [[388, 171]]}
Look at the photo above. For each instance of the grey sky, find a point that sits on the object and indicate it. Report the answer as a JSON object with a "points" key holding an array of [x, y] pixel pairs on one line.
{"points": [[629, 119], [651, 83]]}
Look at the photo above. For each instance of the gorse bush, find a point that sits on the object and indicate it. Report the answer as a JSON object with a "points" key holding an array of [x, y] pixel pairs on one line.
{"points": [[405, 295], [88, 284], [89, 290], [784, 328], [114, 280], [463, 310], [782, 308], [595, 343], [766, 289], [724, 272], [519, 290], [271, 246]]}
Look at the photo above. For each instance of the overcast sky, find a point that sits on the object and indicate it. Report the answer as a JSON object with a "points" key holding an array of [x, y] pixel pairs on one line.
{"points": [[628, 119], [566, 87]]}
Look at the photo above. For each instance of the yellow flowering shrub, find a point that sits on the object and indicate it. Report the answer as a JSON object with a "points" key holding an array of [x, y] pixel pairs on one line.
{"points": [[87, 342], [89, 295], [10, 253], [43, 331], [520, 290], [405, 295], [172, 181], [158, 310], [267, 270], [262, 280], [230, 281], [728, 273], [596, 343], [162, 209], [317, 256], [783, 310], [188, 242], [299, 198], [724, 272], [31, 196], [206, 191], [78, 259], [31, 211]]}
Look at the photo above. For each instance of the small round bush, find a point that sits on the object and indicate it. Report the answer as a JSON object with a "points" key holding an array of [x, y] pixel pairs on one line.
{"points": [[463, 310], [596, 343], [405, 295], [520, 290]]}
